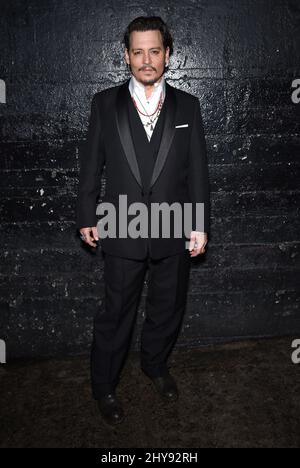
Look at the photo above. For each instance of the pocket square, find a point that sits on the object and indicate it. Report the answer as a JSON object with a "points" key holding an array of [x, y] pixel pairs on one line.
{"points": [[181, 126]]}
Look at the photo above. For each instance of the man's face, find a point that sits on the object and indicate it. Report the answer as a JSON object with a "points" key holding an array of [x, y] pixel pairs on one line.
{"points": [[147, 56]]}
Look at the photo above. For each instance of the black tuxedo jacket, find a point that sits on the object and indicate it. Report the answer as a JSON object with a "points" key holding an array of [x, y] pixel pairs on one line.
{"points": [[180, 172]]}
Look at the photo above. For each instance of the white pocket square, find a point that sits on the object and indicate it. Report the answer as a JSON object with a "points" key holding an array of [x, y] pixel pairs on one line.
{"points": [[181, 126]]}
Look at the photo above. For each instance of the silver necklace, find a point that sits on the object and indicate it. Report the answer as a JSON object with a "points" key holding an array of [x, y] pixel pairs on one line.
{"points": [[151, 120]]}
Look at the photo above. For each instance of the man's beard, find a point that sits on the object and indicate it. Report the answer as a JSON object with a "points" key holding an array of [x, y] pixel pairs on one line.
{"points": [[150, 81]]}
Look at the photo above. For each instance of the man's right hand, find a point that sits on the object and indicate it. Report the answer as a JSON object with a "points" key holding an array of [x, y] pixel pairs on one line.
{"points": [[90, 234]]}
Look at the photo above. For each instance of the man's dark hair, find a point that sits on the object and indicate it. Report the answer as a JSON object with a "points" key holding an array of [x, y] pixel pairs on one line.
{"points": [[148, 23]]}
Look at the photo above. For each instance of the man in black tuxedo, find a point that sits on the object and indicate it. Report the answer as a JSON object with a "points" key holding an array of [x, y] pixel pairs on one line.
{"points": [[149, 135]]}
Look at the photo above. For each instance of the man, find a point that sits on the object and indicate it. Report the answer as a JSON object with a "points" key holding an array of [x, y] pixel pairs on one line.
{"points": [[149, 135]]}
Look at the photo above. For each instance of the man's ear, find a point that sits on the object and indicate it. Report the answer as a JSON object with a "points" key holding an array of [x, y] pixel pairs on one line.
{"points": [[167, 53], [126, 56]]}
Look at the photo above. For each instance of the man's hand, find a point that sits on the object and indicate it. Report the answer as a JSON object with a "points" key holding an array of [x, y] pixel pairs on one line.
{"points": [[88, 235], [198, 241]]}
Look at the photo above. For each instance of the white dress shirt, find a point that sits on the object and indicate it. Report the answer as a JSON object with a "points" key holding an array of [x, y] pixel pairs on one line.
{"points": [[147, 105]]}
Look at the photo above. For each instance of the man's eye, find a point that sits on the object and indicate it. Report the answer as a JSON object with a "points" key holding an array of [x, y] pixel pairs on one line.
{"points": [[154, 51]]}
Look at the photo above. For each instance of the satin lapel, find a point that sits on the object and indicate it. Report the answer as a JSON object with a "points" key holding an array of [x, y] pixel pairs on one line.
{"points": [[125, 133], [167, 133], [126, 138]]}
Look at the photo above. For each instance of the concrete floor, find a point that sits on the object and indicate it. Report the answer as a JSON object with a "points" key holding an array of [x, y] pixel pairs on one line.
{"points": [[239, 395]]}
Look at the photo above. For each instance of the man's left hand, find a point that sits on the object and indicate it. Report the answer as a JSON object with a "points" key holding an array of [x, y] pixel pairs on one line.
{"points": [[198, 242]]}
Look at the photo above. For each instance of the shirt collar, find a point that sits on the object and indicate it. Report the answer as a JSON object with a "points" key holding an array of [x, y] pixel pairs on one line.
{"points": [[136, 86]]}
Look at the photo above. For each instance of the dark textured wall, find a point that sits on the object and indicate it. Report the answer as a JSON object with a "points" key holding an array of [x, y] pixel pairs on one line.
{"points": [[240, 59]]}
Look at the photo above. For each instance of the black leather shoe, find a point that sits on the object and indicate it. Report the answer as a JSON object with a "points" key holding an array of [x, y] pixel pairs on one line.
{"points": [[166, 387], [111, 409]]}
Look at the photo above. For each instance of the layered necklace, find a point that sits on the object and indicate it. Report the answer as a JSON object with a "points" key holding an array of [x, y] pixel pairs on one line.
{"points": [[152, 118]]}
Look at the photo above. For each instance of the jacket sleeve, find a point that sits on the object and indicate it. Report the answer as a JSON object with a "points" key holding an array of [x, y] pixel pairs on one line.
{"points": [[92, 160], [198, 178]]}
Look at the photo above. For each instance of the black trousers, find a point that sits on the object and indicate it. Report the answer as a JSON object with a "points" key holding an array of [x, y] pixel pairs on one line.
{"points": [[113, 326]]}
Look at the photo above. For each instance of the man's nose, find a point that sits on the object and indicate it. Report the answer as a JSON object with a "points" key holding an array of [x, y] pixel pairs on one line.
{"points": [[147, 60]]}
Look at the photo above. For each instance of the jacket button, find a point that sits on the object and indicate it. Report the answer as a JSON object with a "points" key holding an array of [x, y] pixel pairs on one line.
{"points": [[142, 193], [150, 192]]}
